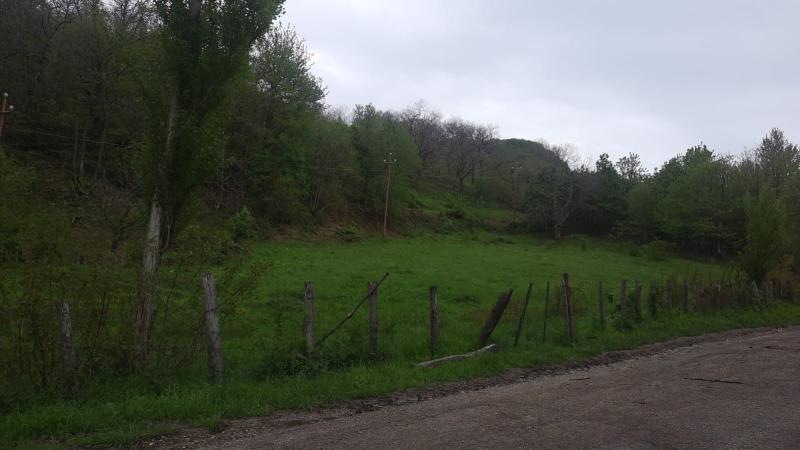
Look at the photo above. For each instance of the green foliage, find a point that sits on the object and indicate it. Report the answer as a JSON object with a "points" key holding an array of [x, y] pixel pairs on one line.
{"points": [[766, 235], [241, 226], [267, 372], [380, 140], [203, 51], [348, 234], [14, 183]]}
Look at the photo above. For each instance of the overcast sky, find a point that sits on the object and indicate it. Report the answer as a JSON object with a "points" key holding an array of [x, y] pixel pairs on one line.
{"points": [[611, 76]]}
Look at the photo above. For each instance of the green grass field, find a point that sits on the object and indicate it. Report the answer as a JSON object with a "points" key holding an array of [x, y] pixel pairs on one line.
{"points": [[262, 338]]}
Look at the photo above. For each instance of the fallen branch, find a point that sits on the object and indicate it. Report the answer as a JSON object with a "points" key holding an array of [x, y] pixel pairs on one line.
{"points": [[446, 359]]}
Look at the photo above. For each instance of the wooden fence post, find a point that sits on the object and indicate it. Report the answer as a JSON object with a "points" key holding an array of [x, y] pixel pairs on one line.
{"points": [[522, 316], [568, 307], [308, 324], [756, 293], [494, 317], [546, 308], [654, 294], [685, 295], [68, 347], [670, 293], [623, 297], [602, 299], [637, 297], [700, 305], [373, 318], [212, 328], [434, 306]]}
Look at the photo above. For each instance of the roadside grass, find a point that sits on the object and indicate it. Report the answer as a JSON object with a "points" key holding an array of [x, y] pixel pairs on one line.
{"points": [[262, 338]]}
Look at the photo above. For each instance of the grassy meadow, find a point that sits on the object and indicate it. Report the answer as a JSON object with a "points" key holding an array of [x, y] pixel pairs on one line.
{"points": [[262, 336]]}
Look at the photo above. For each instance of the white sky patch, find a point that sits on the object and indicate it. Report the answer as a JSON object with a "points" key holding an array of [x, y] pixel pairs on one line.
{"points": [[613, 76]]}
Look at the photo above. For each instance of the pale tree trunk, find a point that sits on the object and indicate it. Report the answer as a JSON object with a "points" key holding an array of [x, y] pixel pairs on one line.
{"points": [[149, 290], [152, 255]]}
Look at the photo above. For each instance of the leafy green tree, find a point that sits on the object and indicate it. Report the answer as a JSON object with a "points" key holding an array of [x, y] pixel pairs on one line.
{"points": [[553, 194], [330, 160], [766, 234], [606, 196], [642, 222], [631, 170], [377, 137], [697, 207], [778, 159], [206, 45], [277, 112]]}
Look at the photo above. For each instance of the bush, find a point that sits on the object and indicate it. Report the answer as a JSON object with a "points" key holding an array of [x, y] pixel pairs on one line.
{"points": [[242, 226], [766, 235], [348, 234]]}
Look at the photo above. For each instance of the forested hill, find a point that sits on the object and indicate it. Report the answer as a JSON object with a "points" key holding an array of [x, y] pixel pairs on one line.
{"points": [[125, 118]]}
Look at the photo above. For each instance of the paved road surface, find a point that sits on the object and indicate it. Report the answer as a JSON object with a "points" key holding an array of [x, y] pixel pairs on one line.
{"points": [[738, 393]]}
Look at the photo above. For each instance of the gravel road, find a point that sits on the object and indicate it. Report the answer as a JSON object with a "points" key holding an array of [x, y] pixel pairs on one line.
{"points": [[739, 390]]}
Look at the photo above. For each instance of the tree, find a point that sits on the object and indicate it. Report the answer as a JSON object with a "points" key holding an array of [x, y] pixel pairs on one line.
{"points": [[607, 198], [766, 234], [376, 135], [553, 193], [425, 127], [696, 203], [631, 170], [778, 159], [206, 45], [277, 110], [461, 149]]}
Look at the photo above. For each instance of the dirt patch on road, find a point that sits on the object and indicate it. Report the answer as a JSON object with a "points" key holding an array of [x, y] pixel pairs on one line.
{"points": [[242, 428]]}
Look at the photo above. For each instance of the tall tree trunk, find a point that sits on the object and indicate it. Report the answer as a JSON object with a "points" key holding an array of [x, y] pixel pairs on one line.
{"points": [[152, 253], [557, 231], [149, 290]]}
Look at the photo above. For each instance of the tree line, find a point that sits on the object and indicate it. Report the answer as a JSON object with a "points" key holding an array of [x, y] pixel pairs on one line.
{"points": [[155, 106]]}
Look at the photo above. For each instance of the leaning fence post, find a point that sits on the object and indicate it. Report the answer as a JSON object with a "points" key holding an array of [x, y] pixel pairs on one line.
{"points": [[568, 307], [434, 309], [602, 301], [494, 317], [308, 324], [68, 346], [522, 316], [373, 318], [212, 328]]}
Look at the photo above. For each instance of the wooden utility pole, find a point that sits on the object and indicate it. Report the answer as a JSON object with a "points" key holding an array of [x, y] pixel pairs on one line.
{"points": [[5, 109], [389, 162]]}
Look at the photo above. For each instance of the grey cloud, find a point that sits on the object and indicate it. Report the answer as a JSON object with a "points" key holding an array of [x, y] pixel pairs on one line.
{"points": [[608, 75]]}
